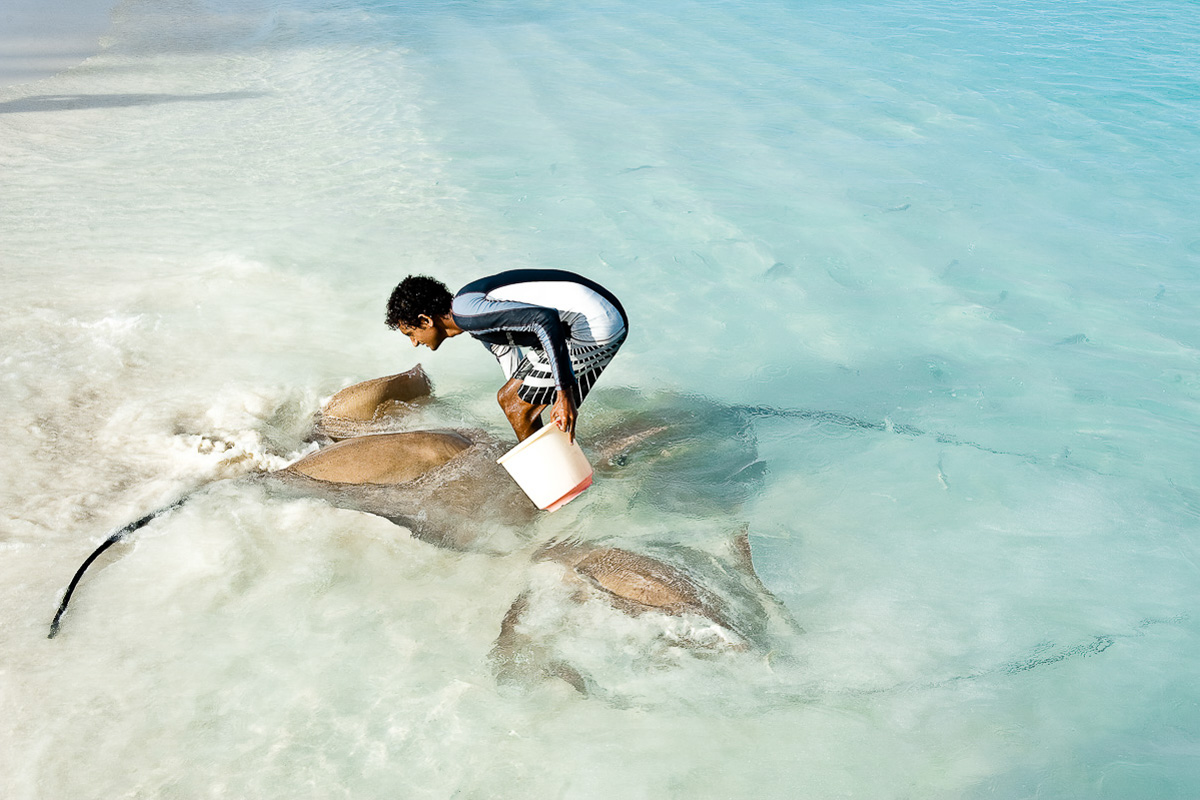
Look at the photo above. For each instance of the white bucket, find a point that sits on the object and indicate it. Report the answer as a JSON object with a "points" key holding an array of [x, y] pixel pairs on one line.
{"points": [[549, 467]]}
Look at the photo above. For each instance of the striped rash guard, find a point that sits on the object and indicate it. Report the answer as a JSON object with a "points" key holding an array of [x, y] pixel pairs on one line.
{"points": [[554, 330]]}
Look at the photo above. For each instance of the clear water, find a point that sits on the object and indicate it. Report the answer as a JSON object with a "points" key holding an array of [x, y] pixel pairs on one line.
{"points": [[945, 253]]}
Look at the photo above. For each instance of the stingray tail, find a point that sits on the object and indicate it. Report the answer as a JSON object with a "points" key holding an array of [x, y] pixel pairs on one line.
{"points": [[115, 537]]}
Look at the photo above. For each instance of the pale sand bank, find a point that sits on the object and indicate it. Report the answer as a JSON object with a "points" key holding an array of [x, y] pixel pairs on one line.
{"points": [[39, 38]]}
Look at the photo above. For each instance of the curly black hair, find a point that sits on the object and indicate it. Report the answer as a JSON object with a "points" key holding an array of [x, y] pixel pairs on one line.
{"points": [[415, 296]]}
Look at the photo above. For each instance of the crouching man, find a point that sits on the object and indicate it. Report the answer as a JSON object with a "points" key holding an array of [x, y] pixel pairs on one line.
{"points": [[552, 331]]}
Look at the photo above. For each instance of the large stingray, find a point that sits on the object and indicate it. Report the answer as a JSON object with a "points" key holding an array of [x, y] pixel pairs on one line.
{"points": [[737, 612], [445, 487]]}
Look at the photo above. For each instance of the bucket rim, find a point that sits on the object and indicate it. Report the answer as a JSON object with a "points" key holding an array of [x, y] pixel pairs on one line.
{"points": [[528, 442]]}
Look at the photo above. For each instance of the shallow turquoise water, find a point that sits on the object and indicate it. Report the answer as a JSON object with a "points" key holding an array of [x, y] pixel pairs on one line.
{"points": [[938, 262]]}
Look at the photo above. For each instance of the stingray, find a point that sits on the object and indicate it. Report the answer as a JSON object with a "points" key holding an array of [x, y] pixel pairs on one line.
{"points": [[442, 485], [669, 579], [447, 489]]}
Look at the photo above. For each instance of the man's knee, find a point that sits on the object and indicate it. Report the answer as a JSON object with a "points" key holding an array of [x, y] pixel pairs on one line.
{"points": [[510, 401], [524, 417]]}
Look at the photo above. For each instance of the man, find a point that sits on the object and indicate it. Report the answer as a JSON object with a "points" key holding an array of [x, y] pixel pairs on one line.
{"points": [[552, 331]]}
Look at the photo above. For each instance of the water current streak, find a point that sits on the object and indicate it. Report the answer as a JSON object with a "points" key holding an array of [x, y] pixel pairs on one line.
{"points": [[1044, 655], [847, 421]]}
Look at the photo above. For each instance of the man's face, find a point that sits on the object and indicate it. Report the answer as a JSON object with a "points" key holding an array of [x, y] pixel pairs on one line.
{"points": [[427, 334]]}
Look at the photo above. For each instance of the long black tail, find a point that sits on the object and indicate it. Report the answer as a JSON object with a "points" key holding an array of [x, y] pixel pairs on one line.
{"points": [[109, 542]]}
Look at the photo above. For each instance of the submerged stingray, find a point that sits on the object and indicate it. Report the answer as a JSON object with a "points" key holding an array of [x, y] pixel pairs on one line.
{"points": [[724, 595], [447, 489], [444, 486]]}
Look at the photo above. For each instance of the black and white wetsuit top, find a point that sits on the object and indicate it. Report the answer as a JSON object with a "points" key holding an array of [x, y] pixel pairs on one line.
{"points": [[570, 325]]}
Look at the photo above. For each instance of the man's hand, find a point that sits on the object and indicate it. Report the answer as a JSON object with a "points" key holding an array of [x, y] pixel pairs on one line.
{"points": [[563, 415]]}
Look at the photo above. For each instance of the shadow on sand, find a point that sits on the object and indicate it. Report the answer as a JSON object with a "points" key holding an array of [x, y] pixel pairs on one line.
{"points": [[77, 102]]}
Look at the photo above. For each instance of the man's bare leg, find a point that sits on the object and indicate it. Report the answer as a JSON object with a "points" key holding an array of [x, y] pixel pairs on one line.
{"points": [[525, 419]]}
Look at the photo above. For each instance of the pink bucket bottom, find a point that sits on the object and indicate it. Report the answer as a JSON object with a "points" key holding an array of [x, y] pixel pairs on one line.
{"points": [[571, 495]]}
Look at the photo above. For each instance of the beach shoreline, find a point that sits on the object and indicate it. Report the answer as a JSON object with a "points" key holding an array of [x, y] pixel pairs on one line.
{"points": [[41, 39]]}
